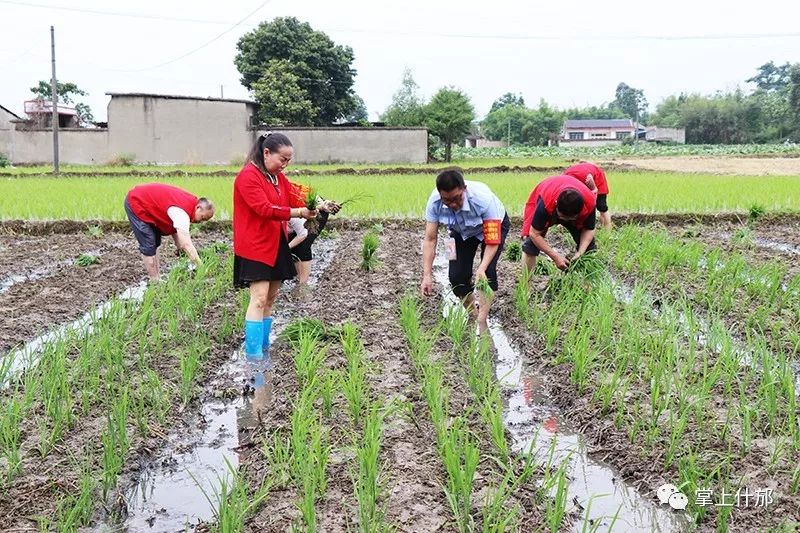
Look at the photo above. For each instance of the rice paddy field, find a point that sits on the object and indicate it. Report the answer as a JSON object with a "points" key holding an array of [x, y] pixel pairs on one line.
{"points": [[651, 387]]}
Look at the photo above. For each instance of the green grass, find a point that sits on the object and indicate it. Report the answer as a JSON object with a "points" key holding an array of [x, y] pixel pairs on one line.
{"points": [[471, 162], [43, 198]]}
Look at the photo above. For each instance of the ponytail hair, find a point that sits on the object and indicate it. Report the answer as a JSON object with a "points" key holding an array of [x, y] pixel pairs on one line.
{"points": [[272, 142]]}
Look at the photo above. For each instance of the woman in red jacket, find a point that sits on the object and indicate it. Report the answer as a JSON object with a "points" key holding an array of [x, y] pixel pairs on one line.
{"points": [[263, 202]]}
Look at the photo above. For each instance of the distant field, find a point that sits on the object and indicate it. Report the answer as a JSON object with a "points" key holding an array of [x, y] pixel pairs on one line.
{"points": [[405, 195], [547, 162]]}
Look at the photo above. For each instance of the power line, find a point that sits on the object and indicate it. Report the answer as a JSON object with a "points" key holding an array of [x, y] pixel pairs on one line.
{"points": [[187, 54], [503, 36], [113, 13]]}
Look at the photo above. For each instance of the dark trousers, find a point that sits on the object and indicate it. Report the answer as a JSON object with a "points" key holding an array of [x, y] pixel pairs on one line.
{"points": [[529, 248], [461, 268]]}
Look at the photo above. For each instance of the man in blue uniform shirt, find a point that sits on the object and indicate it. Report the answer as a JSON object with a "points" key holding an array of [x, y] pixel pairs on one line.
{"points": [[475, 217]]}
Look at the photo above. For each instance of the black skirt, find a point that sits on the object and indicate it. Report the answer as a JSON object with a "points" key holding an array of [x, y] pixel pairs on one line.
{"points": [[246, 271]]}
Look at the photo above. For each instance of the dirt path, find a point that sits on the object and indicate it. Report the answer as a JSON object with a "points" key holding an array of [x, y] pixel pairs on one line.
{"points": [[742, 166]]}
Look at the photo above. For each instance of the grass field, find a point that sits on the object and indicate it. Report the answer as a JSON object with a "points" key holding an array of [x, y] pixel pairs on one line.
{"points": [[472, 162], [42, 198]]}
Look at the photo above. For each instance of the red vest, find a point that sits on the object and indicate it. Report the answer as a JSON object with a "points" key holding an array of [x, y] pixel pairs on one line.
{"points": [[150, 202], [260, 213], [548, 190], [581, 170]]}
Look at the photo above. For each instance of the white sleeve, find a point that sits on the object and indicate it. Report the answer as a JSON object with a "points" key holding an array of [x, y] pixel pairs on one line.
{"points": [[180, 218], [297, 226]]}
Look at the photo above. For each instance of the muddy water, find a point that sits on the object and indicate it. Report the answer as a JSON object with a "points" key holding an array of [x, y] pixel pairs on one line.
{"points": [[173, 490], [537, 426], [27, 356], [777, 246]]}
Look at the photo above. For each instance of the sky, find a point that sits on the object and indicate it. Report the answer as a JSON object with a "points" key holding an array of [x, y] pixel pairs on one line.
{"points": [[569, 53]]}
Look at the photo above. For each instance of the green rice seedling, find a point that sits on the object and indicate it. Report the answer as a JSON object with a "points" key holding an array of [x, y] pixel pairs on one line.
{"points": [[369, 248], [754, 212], [311, 327], [483, 288], [454, 322], [308, 359], [367, 480], [556, 507], [95, 231], [743, 237], [11, 433], [189, 365], [460, 456], [232, 502], [514, 251], [85, 260], [376, 228], [354, 385], [75, 510], [277, 451], [794, 487], [310, 198], [591, 525], [492, 413], [497, 516], [331, 381]]}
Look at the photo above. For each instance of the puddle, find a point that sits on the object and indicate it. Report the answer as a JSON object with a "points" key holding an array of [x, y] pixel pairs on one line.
{"points": [[28, 355], [535, 423], [172, 491], [35, 274], [777, 246]]}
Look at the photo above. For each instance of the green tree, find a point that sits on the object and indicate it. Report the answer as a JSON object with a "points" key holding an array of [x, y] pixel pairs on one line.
{"points": [[544, 124], [794, 99], [508, 99], [603, 111], [407, 107], [67, 93], [282, 98], [630, 101], [449, 115], [359, 113], [323, 69], [772, 77], [526, 126]]}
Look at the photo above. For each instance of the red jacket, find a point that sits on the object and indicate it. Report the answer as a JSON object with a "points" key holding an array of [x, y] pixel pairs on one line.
{"points": [[581, 170], [150, 202], [260, 213], [548, 190]]}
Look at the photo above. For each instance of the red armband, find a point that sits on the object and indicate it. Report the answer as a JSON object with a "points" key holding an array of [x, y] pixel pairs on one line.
{"points": [[491, 231]]}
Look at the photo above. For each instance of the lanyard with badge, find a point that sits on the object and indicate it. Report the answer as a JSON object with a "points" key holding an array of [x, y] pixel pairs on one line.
{"points": [[450, 242]]}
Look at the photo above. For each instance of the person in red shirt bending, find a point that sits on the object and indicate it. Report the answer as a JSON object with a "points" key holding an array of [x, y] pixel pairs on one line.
{"points": [[558, 200], [263, 203], [595, 179], [155, 209]]}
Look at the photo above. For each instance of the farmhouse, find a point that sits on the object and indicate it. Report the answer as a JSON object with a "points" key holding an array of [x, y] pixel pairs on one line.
{"points": [[169, 129], [596, 132]]}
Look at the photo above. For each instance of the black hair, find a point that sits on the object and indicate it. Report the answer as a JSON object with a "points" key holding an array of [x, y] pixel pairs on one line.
{"points": [[205, 203], [570, 202], [270, 141], [450, 179]]}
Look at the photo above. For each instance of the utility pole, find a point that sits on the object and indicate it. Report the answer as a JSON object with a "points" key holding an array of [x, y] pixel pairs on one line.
{"points": [[508, 137], [636, 126], [54, 89], [221, 94]]}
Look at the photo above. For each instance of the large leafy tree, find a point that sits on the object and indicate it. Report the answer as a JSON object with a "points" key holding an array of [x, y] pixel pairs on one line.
{"points": [[449, 116], [67, 94], [507, 99], [525, 125], [406, 109], [630, 101], [794, 98], [323, 69], [772, 77], [283, 99]]}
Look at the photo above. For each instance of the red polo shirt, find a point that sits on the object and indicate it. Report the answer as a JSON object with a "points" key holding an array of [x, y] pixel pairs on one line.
{"points": [[581, 170], [547, 193], [150, 201], [260, 213]]}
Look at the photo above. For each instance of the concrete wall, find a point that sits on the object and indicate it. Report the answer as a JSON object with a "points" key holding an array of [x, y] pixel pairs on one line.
{"points": [[75, 146], [597, 133], [358, 145], [655, 133], [6, 127], [589, 144], [179, 130]]}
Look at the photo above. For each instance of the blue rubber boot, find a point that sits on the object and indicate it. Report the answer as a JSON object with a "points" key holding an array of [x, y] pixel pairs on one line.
{"points": [[253, 339], [267, 328]]}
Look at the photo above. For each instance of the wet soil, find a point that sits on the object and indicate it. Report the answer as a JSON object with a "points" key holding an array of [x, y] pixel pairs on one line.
{"points": [[742, 166], [49, 290]]}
